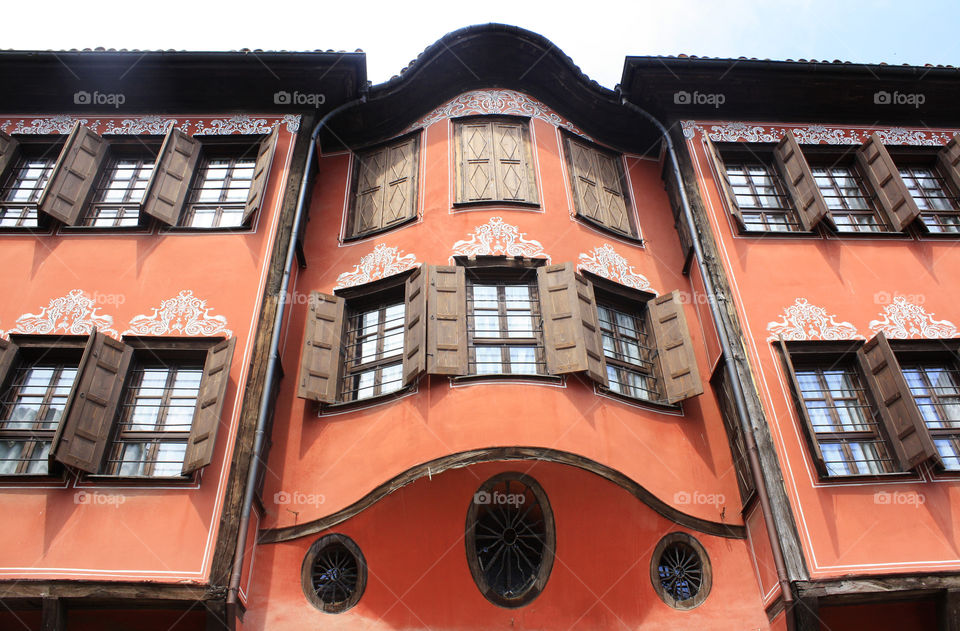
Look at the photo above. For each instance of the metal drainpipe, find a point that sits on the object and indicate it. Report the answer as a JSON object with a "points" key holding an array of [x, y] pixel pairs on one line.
{"points": [[738, 397], [254, 471]]}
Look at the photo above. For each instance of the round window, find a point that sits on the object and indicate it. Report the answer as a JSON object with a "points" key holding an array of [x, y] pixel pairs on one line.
{"points": [[334, 573], [510, 539], [680, 571]]}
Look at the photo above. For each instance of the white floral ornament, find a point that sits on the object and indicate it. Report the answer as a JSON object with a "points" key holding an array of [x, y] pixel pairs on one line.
{"points": [[184, 314], [498, 237], [804, 321], [902, 319], [382, 262], [606, 262], [812, 134], [73, 314]]}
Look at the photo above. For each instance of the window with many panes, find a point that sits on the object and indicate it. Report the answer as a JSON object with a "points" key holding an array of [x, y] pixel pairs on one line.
{"points": [[373, 349], [219, 192], [938, 204], [935, 387], [848, 198], [119, 191], [759, 195], [33, 403], [23, 186], [504, 327], [629, 351]]}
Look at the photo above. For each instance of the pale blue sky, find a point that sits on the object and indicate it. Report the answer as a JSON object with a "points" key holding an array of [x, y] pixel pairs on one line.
{"points": [[597, 34]]}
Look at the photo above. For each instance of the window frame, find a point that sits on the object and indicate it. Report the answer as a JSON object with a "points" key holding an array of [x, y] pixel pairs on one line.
{"points": [[908, 157], [819, 158], [527, 163], [232, 148], [28, 147], [380, 301], [350, 223]]}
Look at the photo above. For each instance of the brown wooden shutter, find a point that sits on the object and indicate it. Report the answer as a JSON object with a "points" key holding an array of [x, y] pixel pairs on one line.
{"points": [[206, 415], [9, 354], [447, 327], [476, 169], [812, 442], [678, 364], [415, 326], [321, 361], [74, 175], [898, 410], [948, 159], [9, 150], [170, 181], [83, 436], [367, 212], [571, 334], [617, 209], [723, 182], [514, 168], [597, 180], [400, 182], [811, 207], [261, 173], [884, 176]]}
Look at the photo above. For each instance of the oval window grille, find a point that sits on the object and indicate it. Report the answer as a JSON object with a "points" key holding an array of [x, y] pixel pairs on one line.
{"points": [[680, 571], [334, 573]]}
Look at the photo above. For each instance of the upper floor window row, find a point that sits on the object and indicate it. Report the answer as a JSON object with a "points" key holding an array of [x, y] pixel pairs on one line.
{"points": [[496, 317], [493, 163], [878, 407], [90, 181], [786, 188]]}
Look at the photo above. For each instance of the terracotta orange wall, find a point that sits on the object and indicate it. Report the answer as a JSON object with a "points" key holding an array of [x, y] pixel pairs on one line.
{"points": [[843, 527], [129, 532], [418, 577], [344, 456]]}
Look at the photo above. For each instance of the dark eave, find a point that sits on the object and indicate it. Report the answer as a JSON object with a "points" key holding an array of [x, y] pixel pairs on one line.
{"points": [[492, 56], [175, 81], [794, 91]]}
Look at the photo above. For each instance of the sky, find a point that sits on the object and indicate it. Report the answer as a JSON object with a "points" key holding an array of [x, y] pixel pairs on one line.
{"points": [[597, 34]]}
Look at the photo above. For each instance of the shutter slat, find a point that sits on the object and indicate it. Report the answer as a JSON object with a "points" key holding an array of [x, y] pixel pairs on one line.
{"points": [[320, 360], [447, 328], [726, 190], [801, 407], [884, 176], [83, 435], [570, 332], [261, 173], [798, 177], [207, 415], [899, 413], [9, 151], [415, 326], [678, 363], [170, 181], [73, 175]]}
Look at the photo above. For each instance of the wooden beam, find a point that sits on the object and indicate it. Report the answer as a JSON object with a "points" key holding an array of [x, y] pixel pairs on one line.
{"points": [[54, 615], [806, 614], [850, 590], [106, 590], [948, 610]]}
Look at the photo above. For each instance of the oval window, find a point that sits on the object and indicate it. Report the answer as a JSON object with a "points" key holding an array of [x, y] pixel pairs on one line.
{"points": [[680, 571], [334, 573], [510, 539]]}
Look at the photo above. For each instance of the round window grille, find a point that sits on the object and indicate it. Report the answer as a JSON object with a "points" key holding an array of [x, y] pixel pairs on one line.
{"points": [[680, 571], [334, 573], [510, 539]]}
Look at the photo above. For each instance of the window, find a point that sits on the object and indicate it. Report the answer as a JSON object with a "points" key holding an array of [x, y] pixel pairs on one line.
{"points": [[384, 187], [334, 573], [680, 571], [503, 323], [23, 184], [631, 368], [599, 187], [219, 193], [119, 191], [851, 206], [494, 161], [938, 205], [374, 350], [871, 411], [510, 539], [121, 409], [33, 403]]}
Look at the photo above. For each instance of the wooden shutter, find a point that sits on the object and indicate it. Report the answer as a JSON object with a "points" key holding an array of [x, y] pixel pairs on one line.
{"points": [[514, 170], [811, 207], [884, 176], [447, 328], [723, 182], [368, 200], [476, 166], [170, 181], [400, 182], [321, 361], [9, 150], [898, 410], [261, 173], [74, 175], [571, 334], [9, 354], [206, 415], [812, 442], [678, 364], [415, 326], [598, 192], [948, 159], [84, 433]]}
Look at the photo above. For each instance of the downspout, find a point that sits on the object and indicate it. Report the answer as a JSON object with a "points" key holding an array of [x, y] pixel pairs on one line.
{"points": [[272, 363], [739, 399]]}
